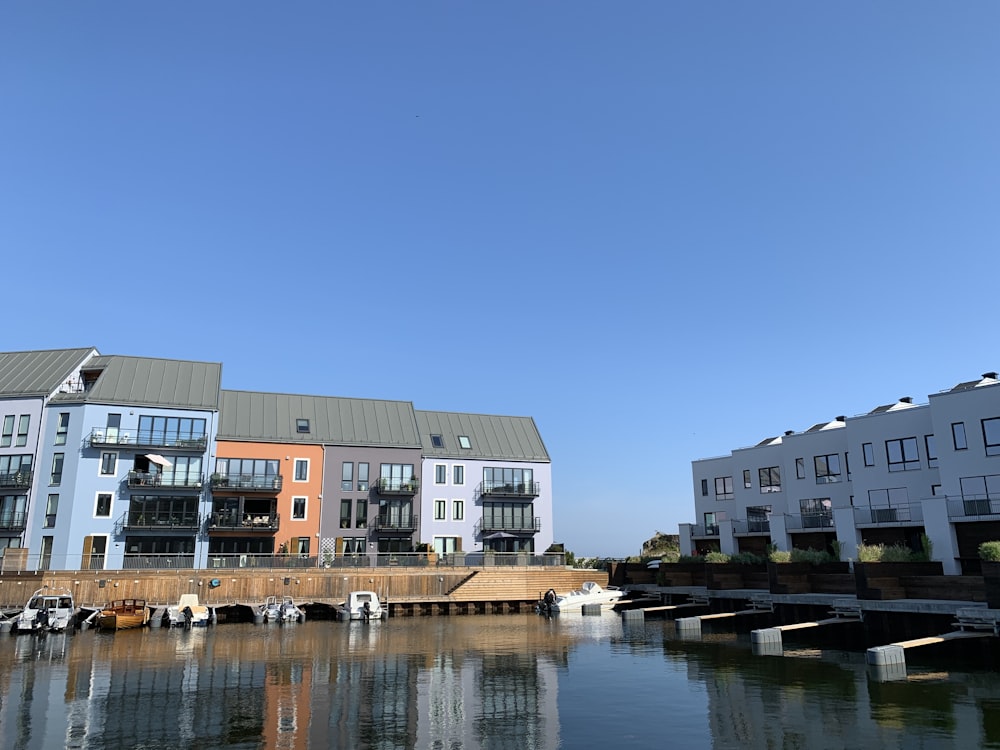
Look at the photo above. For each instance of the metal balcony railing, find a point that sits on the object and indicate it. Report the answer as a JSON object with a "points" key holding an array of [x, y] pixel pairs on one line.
{"points": [[263, 483], [17, 480], [394, 486], [703, 530], [508, 489], [974, 506], [246, 522], [164, 520], [888, 515], [148, 480], [492, 525], [809, 521], [11, 521], [752, 526], [396, 522], [102, 436]]}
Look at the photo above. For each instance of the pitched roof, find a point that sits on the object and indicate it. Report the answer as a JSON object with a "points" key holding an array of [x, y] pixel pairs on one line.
{"points": [[145, 381], [496, 437], [38, 373], [988, 378], [252, 415]]}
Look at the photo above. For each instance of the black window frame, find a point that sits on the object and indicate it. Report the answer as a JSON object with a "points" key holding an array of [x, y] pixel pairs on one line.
{"points": [[824, 473], [906, 461], [992, 449], [868, 453], [958, 436], [769, 478], [726, 486]]}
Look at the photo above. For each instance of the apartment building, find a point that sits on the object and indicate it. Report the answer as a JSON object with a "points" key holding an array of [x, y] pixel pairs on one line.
{"points": [[124, 462], [891, 476], [488, 484]]}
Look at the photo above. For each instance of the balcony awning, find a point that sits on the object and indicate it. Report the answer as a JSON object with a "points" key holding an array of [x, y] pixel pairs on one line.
{"points": [[157, 459]]}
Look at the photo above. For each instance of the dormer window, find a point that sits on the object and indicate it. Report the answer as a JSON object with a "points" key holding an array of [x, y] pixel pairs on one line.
{"points": [[302, 425], [437, 441], [464, 442]]}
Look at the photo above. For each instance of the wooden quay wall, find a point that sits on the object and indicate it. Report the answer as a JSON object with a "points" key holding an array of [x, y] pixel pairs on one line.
{"points": [[408, 591]]}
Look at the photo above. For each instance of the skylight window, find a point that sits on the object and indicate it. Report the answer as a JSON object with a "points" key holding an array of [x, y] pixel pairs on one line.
{"points": [[437, 441], [464, 442], [302, 425]]}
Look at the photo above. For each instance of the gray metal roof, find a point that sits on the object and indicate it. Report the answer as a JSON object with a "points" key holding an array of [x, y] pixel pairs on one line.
{"points": [[251, 415], [502, 438], [38, 373], [152, 382]]}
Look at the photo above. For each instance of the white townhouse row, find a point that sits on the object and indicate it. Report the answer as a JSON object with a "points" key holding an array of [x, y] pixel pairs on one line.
{"points": [[891, 476]]}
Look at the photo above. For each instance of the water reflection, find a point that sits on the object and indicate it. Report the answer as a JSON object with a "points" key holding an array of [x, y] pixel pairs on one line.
{"points": [[470, 683]]}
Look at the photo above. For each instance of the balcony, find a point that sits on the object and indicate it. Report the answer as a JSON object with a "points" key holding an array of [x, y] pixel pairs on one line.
{"points": [[396, 486], [396, 522], [809, 521], [974, 507], [752, 526], [160, 521], [896, 515], [263, 523], [526, 490], [11, 521], [18, 480], [102, 436], [702, 531], [487, 525], [157, 482], [247, 484]]}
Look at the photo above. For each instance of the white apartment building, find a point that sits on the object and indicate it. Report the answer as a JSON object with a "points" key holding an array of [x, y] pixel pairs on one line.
{"points": [[890, 476]]}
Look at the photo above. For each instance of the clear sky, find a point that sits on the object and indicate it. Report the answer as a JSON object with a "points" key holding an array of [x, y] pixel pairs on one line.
{"points": [[662, 229]]}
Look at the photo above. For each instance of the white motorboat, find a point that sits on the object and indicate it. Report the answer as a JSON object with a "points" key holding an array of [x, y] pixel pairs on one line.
{"points": [[282, 611], [48, 610], [590, 592], [362, 605], [188, 613]]}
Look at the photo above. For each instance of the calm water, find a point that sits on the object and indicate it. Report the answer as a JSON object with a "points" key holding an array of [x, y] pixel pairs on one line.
{"points": [[470, 682]]}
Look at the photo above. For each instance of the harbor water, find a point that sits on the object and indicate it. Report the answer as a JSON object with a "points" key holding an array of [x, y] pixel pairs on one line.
{"points": [[474, 682]]}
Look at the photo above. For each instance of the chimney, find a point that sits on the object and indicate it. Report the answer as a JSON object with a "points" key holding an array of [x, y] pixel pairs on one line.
{"points": [[841, 418], [906, 400], [789, 432], [991, 375]]}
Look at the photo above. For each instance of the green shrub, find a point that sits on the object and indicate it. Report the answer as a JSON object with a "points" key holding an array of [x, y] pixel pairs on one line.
{"points": [[780, 556], [811, 556], [690, 559], [927, 546], [870, 552], [835, 546], [747, 558], [716, 557], [899, 553], [990, 551]]}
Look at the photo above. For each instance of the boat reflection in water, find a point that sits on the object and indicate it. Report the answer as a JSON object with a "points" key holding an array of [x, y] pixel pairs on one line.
{"points": [[470, 682]]}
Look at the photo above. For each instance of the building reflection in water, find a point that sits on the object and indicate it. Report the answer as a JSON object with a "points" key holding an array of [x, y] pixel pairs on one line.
{"points": [[454, 683]]}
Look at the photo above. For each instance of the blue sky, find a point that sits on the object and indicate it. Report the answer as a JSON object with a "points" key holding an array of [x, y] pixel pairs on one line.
{"points": [[664, 230]]}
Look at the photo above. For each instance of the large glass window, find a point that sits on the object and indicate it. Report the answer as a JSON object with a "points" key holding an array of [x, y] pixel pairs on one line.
{"points": [[931, 447], [51, 509], [345, 513], [250, 473], [22, 430], [958, 436], [347, 476], [758, 518], [109, 463], [827, 468], [458, 475], [508, 478], [298, 508], [457, 510], [817, 512], [724, 488], [361, 514], [440, 509], [62, 428], [170, 431], [991, 436], [301, 469], [869, 453], [15, 470], [102, 508], [7, 435], [747, 484], [902, 454], [55, 477], [440, 474], [770, 479], [396, 476], [509, 516], [362, 477], [800, 468]]}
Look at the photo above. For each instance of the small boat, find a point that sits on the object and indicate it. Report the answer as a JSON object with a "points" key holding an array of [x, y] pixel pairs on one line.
{"points": [[284, 611], [590, 592], [362, 605], [122, 614], [48, 610], [188, 613]]}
